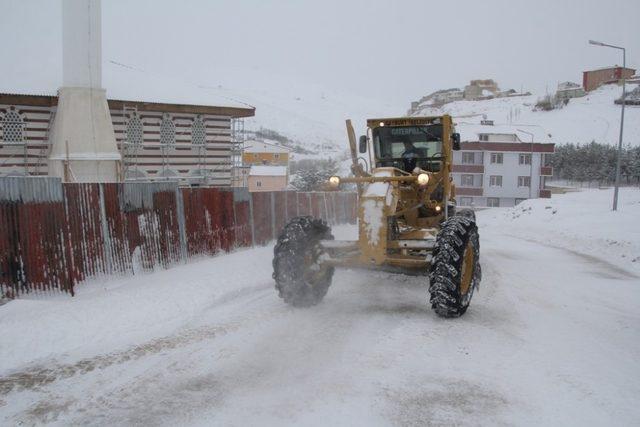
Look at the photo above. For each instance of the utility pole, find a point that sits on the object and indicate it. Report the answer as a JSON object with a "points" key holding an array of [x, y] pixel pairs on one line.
{"points": [[624, 94]]}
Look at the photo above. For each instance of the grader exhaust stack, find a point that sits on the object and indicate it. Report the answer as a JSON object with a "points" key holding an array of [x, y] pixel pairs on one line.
{"points": [[407, 219]]}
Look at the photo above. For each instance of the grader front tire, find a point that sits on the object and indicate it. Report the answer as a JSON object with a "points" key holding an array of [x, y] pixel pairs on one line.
{"points": [[300, 278], [455, 269]]}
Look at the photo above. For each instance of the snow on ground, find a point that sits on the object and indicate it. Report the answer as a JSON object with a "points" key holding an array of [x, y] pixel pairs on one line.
{"points": [[552, 338], [581, 221], [593, 117]]}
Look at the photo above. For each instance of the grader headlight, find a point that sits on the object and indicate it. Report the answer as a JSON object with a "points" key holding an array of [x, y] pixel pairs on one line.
{"points": [[334, 181], [423, 179]]}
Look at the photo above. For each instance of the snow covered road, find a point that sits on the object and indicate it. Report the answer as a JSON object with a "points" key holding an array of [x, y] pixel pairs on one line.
{"points": [[552, 338]]}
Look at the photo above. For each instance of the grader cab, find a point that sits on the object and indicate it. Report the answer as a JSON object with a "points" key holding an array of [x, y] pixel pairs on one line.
{"points": [[407, 219]]}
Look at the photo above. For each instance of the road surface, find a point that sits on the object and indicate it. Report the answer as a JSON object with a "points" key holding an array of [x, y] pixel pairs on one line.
{"points": [[551, 338]]}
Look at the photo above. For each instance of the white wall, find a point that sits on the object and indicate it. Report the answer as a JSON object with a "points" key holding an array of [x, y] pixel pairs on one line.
{"points": [[510, 169], [81, 43]]}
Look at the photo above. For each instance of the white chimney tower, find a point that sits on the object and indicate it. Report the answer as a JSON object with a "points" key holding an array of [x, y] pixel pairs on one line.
{"points": [[84, 146]]}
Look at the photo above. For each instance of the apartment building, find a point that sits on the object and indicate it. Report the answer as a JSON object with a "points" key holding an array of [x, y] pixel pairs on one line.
{"points": [[497, 167], [569, 90], [593, 79]]}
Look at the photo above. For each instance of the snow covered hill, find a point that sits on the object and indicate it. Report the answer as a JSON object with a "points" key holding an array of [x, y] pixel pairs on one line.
{"points": [[310, 116], [551, 338], [592, 117]]}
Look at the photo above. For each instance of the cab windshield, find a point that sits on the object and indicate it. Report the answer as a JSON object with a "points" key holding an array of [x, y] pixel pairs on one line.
{"points": [[408, 147]]}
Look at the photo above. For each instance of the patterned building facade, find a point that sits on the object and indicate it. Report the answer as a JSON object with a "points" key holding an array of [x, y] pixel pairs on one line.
{"points": [[157, 141]]}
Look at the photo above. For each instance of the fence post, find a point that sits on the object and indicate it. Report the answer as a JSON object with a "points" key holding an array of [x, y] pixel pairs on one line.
{"points": [[105, 232], [273, 215], [253, 228], [286, 207], [181, 224]]}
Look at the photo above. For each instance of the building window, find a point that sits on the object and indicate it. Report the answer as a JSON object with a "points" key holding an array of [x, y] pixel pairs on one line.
{"points": [[525, 159], [493, 202], [258, 184], [484, 137], [135, 131], [198, 131], [518, 201], [524, 181], [496, 158], [495, 181], [12, 126], [466, 180], [466, 201], [167, 131], [468, 158], [276, 156]]}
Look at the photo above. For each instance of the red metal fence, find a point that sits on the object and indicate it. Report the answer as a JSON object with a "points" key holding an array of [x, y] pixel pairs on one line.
{"points": [[53, 235]]}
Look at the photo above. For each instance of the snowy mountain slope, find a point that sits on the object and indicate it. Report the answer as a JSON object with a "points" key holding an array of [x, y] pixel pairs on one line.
{"points": [[593, 117], [311, 116], [551, 338]]}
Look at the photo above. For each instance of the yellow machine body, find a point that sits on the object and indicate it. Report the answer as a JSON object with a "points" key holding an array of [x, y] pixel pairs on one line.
{"points": [[400, 211]]}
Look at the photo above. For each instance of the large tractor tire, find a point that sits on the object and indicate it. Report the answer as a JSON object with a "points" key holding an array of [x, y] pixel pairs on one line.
{"points": [[467, 213], [455, 268], [301, 279]]}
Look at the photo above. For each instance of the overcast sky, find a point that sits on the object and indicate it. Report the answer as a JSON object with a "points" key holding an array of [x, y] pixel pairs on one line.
{"points": [[393, 50]]}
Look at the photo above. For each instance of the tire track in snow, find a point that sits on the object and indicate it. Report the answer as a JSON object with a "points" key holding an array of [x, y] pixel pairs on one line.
{"points": [[37, 376], [611, 271]]}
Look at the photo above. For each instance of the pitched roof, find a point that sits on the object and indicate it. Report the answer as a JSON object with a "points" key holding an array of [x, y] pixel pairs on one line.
{"points": [[471, 131], [148, 91]]}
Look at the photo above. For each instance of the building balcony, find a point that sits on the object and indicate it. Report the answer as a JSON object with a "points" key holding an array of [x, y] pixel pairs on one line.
{"points": [[546, 171], [468, 191], [545, 194], [468, 168]]}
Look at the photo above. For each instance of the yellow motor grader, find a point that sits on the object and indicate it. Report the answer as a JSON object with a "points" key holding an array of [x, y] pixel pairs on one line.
{"points": [[407, 219]]}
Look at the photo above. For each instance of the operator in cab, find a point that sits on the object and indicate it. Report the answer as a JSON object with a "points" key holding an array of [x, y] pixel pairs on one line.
{"points": [[409, 156]]}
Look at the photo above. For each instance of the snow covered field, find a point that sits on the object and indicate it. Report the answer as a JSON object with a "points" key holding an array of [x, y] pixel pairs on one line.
{"points": [[552, 338]]}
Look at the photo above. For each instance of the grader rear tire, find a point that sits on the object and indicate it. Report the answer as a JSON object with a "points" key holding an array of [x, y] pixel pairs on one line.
{"points": [[300, 278], [455, 268]]}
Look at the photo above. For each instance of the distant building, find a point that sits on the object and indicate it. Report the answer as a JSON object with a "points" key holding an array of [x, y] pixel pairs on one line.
{"points": [[476, 90], [481, 89], [268, 178], [593, 79], [495, 167], [413, 108], [437, 99], [263, 153], [446, 96], [257, 153], [568, 90]]}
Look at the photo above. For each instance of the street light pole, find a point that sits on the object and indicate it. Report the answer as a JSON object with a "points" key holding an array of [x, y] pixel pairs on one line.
{"points": [[624, 94]]}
